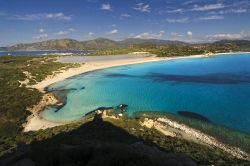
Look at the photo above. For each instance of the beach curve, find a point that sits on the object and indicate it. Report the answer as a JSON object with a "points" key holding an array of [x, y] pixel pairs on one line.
{"points": [[36, 122]]}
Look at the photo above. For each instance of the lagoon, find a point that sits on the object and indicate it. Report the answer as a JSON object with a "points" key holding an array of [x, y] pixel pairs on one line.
{"points": [[217, 88]]}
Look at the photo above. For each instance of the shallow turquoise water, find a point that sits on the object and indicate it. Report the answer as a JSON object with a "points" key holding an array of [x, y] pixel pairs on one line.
{"points": [[217, 88]]}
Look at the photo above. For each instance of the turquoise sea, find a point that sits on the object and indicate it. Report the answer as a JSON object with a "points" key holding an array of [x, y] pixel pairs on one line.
{"points": [[217, 88]]}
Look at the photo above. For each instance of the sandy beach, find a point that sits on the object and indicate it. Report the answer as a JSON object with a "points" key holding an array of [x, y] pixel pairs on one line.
{"points": [[97, 65]]}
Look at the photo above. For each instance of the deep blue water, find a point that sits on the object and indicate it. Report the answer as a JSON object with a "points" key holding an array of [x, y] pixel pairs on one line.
{"points": [[42, 52], [217, 88]]}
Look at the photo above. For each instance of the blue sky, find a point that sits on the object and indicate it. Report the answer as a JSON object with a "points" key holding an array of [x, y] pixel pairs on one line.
{"points": [[186, 20]]}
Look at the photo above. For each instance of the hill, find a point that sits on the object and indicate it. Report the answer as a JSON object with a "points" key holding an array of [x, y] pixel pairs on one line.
{"points": [[111, 142], [100, 43], [95, 44], [58, 44], [224, 46], [155, 46], [130, 41]]}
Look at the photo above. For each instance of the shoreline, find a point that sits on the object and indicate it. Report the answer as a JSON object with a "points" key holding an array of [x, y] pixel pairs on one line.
{"points": [[93, 66], [166, 125], [36, 122]]}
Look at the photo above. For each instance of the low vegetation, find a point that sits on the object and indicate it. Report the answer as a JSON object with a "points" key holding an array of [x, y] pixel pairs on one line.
{"points": [[221, 133], [179, 49], [110, 142], [159, 47], [15, 96]]}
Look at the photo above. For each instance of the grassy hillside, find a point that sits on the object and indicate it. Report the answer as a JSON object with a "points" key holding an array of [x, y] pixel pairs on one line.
{"points": [[110, 142], [100, 43], [58, 44], [15, 97], [161, 47]]}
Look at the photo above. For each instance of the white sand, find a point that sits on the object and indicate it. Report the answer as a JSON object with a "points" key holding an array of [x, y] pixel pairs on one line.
{"points": [[38, 123]]}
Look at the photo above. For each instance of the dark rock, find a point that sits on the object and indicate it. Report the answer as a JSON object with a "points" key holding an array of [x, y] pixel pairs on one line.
{"points": [[193, 115], [90, 113], [59, 106], [103, 108], [123, 107]]}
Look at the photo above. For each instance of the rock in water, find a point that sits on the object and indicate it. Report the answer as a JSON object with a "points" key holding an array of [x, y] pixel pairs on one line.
{"points": [[123, 107], [193, 115]]}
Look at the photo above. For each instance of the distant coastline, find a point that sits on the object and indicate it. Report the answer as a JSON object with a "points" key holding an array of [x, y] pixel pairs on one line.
{"points": [[45, 52]]}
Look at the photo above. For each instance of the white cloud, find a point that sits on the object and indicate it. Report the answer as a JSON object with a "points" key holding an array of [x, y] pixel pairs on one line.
{"points": [[64, 33], [214, 17], [143, 7], [123, 16], [58, 16], [41, 30], [212, 9], [176, 11], [91, 34], [229, 36], [41, 36], [188, 2], [106, 7], [241, 4], [149, 35], [189, 33], [241, 10], [43, 16], [71, 29], [229, 11], [180, 20], [175, 34], [114, 31], [208, 7]]}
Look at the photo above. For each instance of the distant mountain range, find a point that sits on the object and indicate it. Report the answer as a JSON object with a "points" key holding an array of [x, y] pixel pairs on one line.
{"points": [[103, 43], [95, 44]]}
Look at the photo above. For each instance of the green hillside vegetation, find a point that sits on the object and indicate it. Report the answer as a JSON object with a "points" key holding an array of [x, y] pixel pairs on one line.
{"points": [[16, 98], [162, 48], [221, 133], [173, 50], [166, 49], [100, 43], [109, 142]]}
